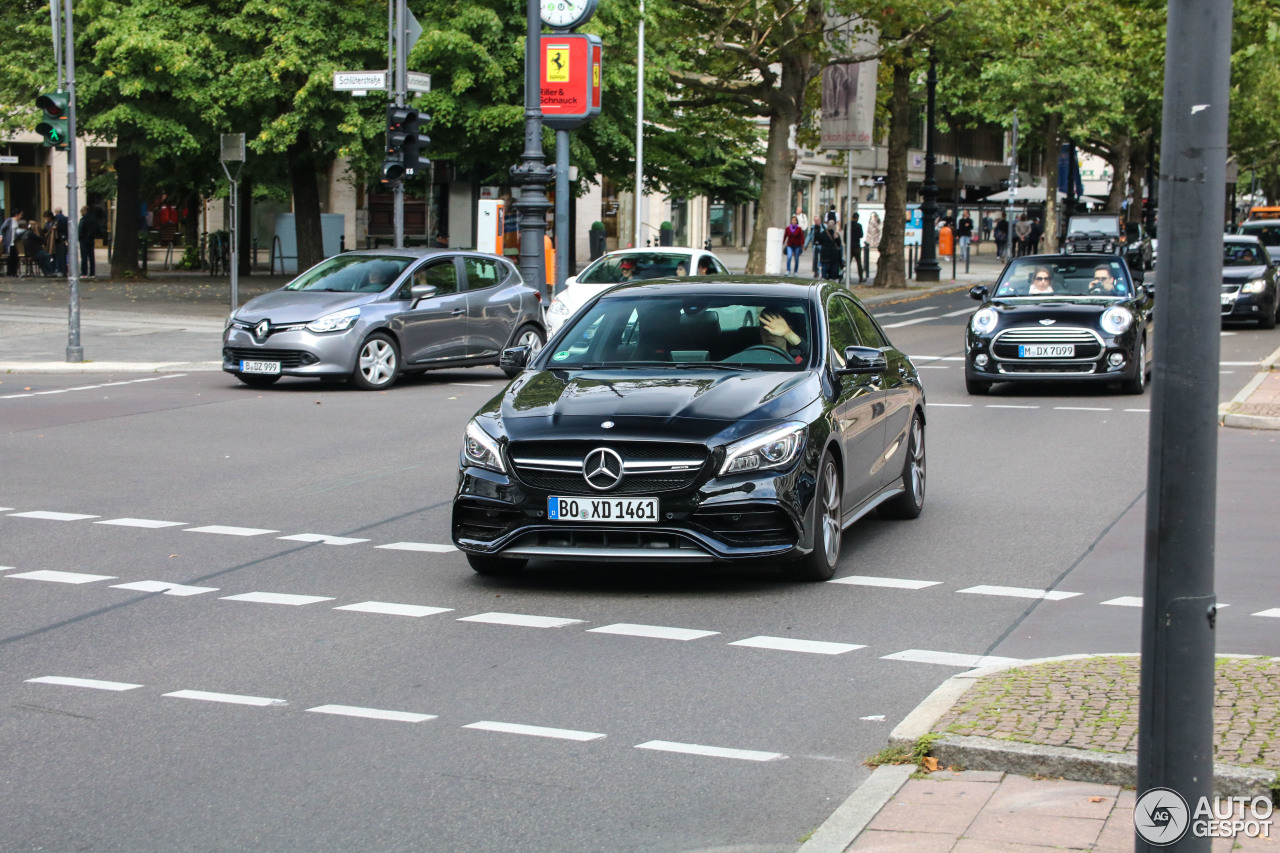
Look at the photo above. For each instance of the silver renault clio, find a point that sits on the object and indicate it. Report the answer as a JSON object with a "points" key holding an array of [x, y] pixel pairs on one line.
{"points": [[370, 316]]}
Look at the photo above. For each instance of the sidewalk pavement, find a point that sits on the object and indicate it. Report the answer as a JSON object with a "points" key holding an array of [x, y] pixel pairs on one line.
{"points": [[1042, 755]]}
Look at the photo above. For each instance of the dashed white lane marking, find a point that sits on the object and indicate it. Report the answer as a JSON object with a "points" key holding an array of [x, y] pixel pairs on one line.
{"points": [[1080, 409], [149, 523], [961, 312], [875, 718], [230, 698], [320, 537], [1138, 410], [418, 546], [1009, 406], [230, 531], [372, 713], [520, 620], [535, 731], [390, 609], [950, 405], [91, 683], [1019, 592], [936, 357], [711, 751], [51, 516], [61, 577], [1274, 612], [949, 658], [906, 313], [657, 632], [910, 322], [786, 644], [1240, 363], [895, 583], [276, 598], [1126, 601], [166, 588], [6, 508]]}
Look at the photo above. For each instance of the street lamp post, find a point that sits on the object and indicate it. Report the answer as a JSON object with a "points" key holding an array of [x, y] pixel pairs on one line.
{"points": [[532, 175], [927, 266]]}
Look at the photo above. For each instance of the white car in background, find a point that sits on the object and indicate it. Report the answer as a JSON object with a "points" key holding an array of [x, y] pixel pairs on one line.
{"points": [[628, 265]]}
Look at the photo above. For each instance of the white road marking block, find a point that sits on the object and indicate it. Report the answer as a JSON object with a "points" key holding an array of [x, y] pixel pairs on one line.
{"points": [[390, 609], [910, 322], [1140, 411], [657, 632], [906, 313], [276, 598], [961, 312], [1019, 592], [1274, 612], [229, 698], [787, 644], [91, 683], [52, 516], [1006, 406], [61, 577], [320, 537], [372, 713], [520, 620], [875, 718], [1126, 601], [230, 531], [166, 588], [535, 731], [7, 508], [150, 523], [949, 658], [711, 751], [895, 583], [418, 546]]}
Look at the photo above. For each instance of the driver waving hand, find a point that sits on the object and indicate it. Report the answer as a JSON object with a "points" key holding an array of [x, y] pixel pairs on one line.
{"points": [[775, 331]]}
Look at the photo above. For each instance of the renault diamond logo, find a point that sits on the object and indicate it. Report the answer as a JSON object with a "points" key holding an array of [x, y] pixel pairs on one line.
{"points": [[261, 330], [602, 469]]}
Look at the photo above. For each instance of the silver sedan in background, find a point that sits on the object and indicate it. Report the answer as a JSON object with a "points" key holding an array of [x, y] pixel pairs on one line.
{"points": [[370, 316]]}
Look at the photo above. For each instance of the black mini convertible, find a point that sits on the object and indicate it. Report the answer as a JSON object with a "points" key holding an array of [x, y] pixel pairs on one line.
{"points": [[1061, 317]]}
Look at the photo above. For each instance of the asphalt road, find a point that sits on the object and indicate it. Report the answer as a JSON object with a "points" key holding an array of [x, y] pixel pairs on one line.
{"points": [[283, 654]]}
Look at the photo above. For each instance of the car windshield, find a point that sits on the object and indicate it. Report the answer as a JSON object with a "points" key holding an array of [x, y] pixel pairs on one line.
{"points": [[1065, 277], [637, 266], [352, 273], [1106, 224], [1241, 255], [700, 331], [1267, 232]]}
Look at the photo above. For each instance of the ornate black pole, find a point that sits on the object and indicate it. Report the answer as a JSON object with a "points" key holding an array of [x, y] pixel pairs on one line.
{"points": [[927, 266], [532, 176]]}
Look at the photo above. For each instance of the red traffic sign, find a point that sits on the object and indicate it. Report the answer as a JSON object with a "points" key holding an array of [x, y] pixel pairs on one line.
{"points": [[570, 80]]}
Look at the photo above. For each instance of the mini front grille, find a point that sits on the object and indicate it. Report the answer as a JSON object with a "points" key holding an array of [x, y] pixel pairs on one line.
{"points": [[286, 357], [1047, 335], [746, 526]]}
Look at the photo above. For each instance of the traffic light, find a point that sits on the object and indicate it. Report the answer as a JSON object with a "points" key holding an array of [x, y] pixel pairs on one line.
{"points": [[410, 152], [402, 135], [54, 128]]}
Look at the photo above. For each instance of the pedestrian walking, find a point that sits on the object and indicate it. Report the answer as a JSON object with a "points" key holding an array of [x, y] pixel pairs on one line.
{"points": [[1033, 239], [855, 244], [793, 245], [33, 248], [10, 230], [1000, 233], [875, 231], [964, 233], [986, 226], [815, 230], [1021, 235], [60, 253], [832, 216], [87, 231], [830, 251]]}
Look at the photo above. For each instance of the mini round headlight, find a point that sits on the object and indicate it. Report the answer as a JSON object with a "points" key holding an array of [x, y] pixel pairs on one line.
{"points": [[985, 320], [1116, 319]]}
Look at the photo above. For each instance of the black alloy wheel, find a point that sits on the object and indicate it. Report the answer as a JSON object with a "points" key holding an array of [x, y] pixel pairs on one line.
{"points": [[820, 563], [1138, 384], [910, 503]]}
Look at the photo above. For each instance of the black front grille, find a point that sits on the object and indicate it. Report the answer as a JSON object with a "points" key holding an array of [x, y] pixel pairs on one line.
{"points": [[286, 357], [483, 522], [556, 466], [746, 526], [1024, 367]]}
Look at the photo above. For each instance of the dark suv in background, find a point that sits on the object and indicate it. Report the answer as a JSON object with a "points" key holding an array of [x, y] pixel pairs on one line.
{"points": [[1108, 233]]}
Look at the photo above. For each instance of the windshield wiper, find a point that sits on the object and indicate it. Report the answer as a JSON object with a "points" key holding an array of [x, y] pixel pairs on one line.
{"points": [[709, 365]]}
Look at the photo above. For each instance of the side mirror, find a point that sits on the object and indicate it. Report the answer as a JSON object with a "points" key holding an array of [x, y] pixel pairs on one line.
{"points": [[514, 358], [863, 360], [978, 292], [573, 279], [422, 291]]}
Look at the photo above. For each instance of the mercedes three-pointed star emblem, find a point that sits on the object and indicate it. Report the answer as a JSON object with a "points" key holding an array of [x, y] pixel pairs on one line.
{"points": [[602, 469]]}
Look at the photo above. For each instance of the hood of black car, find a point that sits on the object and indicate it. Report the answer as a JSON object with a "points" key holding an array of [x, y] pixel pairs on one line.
{"points": [[688, 403], [1078, 309], [1239, 275]]}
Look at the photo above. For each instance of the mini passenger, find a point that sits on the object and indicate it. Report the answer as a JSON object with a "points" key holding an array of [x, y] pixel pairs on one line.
{"points": [[1041, 282], [1104, 283]]}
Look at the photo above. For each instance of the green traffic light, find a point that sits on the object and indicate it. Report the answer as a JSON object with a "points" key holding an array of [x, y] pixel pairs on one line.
{"points": [[54, 128]]}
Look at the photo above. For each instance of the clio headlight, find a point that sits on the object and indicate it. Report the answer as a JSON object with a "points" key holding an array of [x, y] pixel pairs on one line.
{"points": [[984, 321], [776, 448], [1258, 285], [338, 321], [481, 449], [1116, 319]]}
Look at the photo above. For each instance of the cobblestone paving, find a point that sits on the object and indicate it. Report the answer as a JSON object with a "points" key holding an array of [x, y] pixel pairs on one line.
{"points": [[1093, 704], [1265, 401]]}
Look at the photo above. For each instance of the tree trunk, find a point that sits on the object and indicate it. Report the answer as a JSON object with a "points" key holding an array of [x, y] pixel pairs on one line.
{"points": [[244, 240], [889, 269], [304, 180], [775, 191], [1119, 162], [1051, 148], [124, 241]]}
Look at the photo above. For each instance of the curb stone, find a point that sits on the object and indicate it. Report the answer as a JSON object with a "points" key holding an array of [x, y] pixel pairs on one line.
{"points": [[1229, 417], [853, 815]]}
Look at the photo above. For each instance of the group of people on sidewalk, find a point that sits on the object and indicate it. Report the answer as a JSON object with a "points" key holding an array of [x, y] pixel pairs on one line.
{"points": [[828, 244], [44, 245]]}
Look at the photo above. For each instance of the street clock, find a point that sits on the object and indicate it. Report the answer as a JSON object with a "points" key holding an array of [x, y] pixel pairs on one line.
{"points": [[567, 14]]}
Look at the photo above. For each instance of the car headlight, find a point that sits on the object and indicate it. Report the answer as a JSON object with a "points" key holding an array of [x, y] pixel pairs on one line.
{"points": [[481, 449], [984, 321], [1116, 319], [1258, 285], [776, 448], [338, 321], [231, 318], [558, 308]]}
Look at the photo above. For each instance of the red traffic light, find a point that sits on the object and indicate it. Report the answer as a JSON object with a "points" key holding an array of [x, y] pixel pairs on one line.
{"points": [[54, 104]]}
